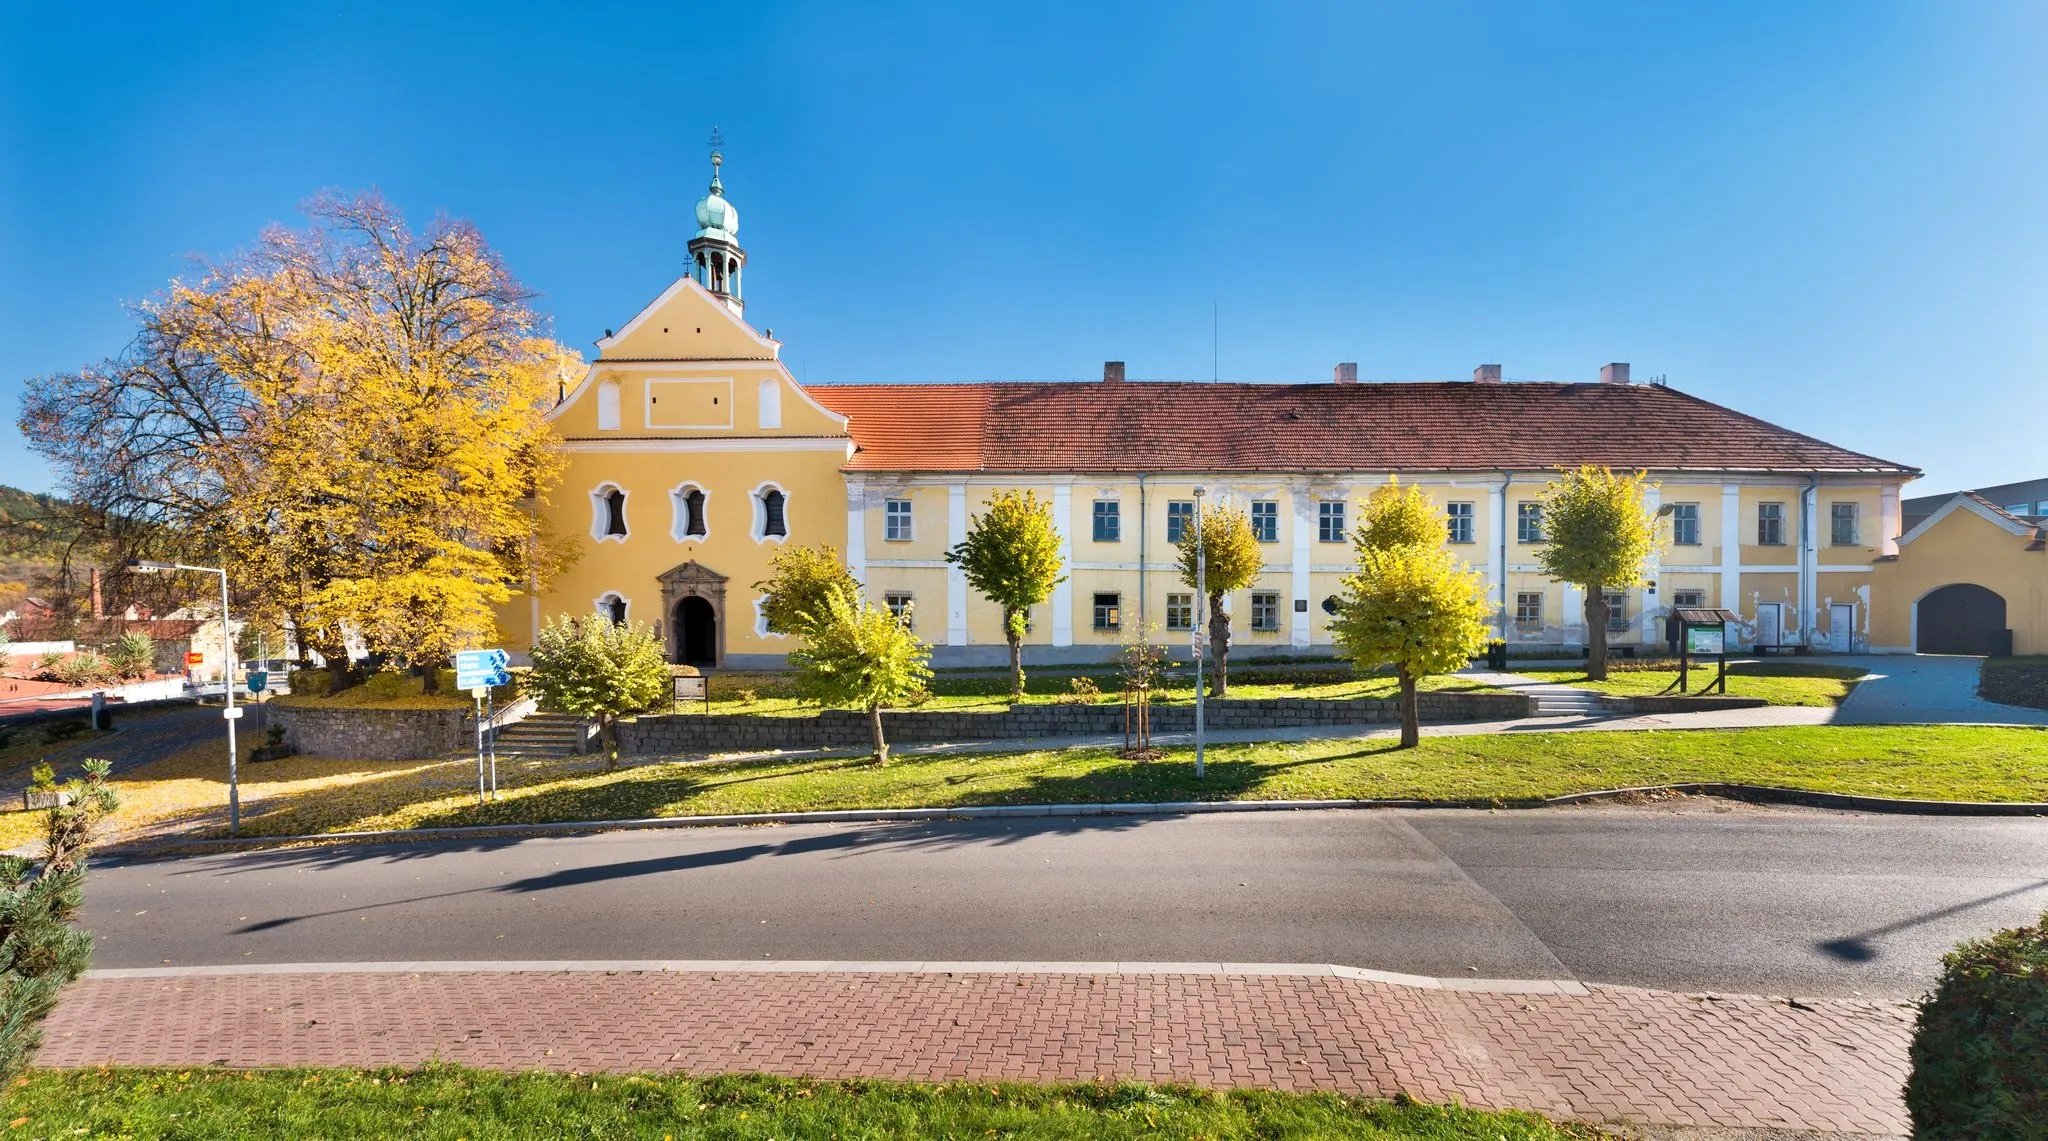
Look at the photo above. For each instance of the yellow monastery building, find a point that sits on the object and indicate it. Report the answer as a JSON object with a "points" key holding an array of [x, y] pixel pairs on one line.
{"points": [[694, 455]]}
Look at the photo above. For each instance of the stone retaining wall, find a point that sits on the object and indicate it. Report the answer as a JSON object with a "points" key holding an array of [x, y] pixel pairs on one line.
{"points": [[372, 734], [1673, 703], [847, 729]]}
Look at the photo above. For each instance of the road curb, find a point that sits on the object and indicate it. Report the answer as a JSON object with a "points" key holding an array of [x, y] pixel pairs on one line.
{"points": [[1754, 794], [855, 966]]}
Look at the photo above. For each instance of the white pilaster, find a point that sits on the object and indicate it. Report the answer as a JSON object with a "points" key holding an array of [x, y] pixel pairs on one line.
{"points": [[1889, 520], [1731, 547], [857, 528], [1653, 498], [1573, 620], [1063, 594], [1304, 524], [956, 577], [1496, 558], [1809, 563]]}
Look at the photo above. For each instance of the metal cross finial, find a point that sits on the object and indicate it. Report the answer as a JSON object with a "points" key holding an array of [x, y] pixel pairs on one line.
{"points": [[717, 142]]}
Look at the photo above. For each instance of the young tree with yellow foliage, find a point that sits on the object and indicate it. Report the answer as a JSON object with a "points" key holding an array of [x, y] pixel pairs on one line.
{"points": [[1233, 560], [1598, 534], [1012, 556], [350, 418], [1410, 605], [856, 653]]}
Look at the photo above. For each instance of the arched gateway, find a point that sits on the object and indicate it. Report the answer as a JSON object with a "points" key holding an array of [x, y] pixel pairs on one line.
{"points": [[693, 598], [1961, 619]]}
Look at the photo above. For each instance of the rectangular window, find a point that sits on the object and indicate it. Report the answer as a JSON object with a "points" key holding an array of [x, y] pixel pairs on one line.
{"points": [[1108, 524], [1265, 610], [1770, 524], [1843, 518], [896, 521], [1529, 610], [1458, 522], [1528, 522], [1685, 524], [1109, 611], [900, 605], [1266, 520], [1180, 611], [1180, 518], [1689, 599], [1617, 610], [1330, 521]]}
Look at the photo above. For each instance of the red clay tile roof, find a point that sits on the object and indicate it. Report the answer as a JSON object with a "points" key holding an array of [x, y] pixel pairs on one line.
{"points": [[1173, 426]]}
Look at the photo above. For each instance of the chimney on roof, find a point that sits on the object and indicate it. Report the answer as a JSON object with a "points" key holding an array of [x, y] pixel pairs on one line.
{"points": [[1486, 374], [1112, 371], [1616, 373], [99, 608], [1347, 373]]}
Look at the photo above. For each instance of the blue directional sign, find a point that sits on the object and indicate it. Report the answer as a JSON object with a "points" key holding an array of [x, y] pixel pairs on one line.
{"points": [[476, 668]]}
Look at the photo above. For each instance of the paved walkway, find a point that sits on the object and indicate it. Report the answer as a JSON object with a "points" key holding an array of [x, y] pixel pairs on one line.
{"points": [[1924, 689], [1604, 1054]]}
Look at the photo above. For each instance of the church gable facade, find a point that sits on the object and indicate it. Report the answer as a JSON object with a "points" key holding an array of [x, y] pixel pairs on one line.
{"points": [[694, 456]]}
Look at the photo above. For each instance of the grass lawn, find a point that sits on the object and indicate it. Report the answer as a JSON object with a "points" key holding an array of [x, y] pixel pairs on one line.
{"points": [[1778, 682], [306, 795], [444, 1103], [2015, 681], [774, 695]]}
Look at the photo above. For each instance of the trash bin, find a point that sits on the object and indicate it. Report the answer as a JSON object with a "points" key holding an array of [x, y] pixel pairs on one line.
{"points": [[1497, 654]]}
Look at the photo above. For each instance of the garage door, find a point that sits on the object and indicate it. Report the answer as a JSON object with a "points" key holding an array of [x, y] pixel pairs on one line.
{"points": [[1962, 619]]}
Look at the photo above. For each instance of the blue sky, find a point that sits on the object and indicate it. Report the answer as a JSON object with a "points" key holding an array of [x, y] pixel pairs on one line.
{"points": [[1828, 215]]}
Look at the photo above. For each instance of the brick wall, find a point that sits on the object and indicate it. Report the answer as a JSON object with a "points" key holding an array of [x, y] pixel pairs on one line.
{"points": [[372, 734], [847, 729]]}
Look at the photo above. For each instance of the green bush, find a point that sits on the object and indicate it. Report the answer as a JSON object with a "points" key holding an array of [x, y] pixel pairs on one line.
{"points": [[1980, 1051], [311, 683], [444, 680], [386, 685]]}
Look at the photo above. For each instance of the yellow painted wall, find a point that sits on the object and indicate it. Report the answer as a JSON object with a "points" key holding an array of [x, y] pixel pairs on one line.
{"points": [[1963, 547]]}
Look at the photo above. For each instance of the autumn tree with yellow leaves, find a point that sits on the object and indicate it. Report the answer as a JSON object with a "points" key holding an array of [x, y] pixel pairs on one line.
{"points": [[349, 417], [1410, 606]]}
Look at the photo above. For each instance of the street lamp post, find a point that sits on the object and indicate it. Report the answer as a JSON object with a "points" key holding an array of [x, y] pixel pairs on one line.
{"points": [[1201, 623], [227, 647]]}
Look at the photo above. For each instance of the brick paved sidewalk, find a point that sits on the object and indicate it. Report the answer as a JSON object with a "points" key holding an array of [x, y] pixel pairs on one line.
{"points": [[1608, 1055]]}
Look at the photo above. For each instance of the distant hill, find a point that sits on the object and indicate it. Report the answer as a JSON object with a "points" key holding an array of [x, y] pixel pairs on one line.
{"points": [[33, 531]]}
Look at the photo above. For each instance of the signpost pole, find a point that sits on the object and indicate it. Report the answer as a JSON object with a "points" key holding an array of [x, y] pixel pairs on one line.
{"points": [[491, 742], [479, 694], [1201, 620]]}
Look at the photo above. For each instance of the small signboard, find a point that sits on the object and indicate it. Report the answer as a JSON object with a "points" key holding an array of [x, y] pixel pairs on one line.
{"points": [[258, 680], [690, 688], [194, 658], [1705, 639], [481, 669]]}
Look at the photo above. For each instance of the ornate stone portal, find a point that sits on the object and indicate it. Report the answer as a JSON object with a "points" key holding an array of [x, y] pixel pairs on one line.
{"points": [[693, 605]]}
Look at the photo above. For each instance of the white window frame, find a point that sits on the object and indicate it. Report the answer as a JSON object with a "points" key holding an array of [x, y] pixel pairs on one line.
{"points": [[1271, 509], [1855, 524], [890, 516], [679, 512], [1529, 522], [1272, 624], [600, 513], [1778, 507], [603, 602], [1617, 611], [1677, 516], [905, 613], [1186, 606], [1115, 516], [761, 534], [1095, 610], [1678, 600], [1535, 620], [1185, 517], [1453, 518], [608, 406], [1324, 513]]}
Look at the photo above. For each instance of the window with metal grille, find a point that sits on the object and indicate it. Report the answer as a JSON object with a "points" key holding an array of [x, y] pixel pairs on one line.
{"points": [[1180, 611], [896, 519], [1266, 520], [613, 607], [1617, 610], [1180, 518], [1528, 609], [1108, 523], [1458, 522], [772, 522], [1330, 520], [693, 513], [1528, 522], [900, 604], [1685, 524], [1843, 518], [1109, 611], [1770, 524], [1689, 599], [1265, 610]]}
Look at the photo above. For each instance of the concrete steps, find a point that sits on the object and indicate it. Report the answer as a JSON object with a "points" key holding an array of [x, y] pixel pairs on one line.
{"points": [[543, 735]]}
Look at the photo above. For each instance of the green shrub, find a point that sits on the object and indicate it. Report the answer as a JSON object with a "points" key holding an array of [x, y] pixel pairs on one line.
{"points": [[133, 655], [444, 680], [1080, 691], [386, 685], [311, 683], [85, 668], [1980, 1051], [48, 664], [63, 730]]}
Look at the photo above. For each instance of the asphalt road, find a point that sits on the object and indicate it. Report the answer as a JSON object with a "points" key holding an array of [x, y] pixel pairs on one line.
{"points": [[1706, 898]]}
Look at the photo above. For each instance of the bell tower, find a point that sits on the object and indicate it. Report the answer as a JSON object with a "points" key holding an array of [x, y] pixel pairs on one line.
{"points": [[716, 258]]}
